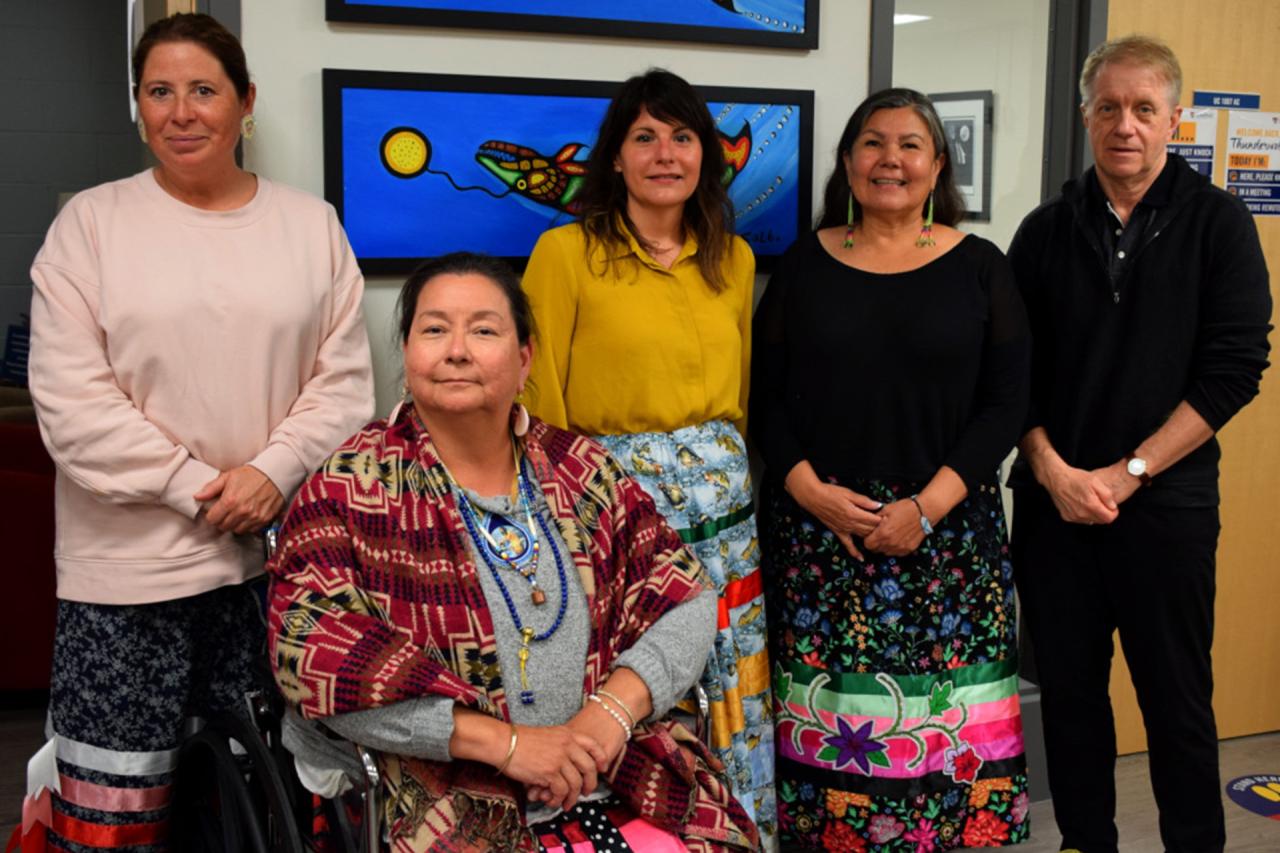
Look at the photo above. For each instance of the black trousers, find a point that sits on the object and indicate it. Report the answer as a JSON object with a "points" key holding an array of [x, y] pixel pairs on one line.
{"points": [[1149, 574]]}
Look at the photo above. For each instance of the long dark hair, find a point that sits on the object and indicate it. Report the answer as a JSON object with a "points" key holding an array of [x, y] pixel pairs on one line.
{"points": [[708, 213], [948, 205], [203, 30]]}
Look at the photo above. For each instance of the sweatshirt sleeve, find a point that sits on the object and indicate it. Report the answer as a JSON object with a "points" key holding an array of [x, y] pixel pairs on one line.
{"points": [[1235, 311], [1000, 400], [337, 399], [771, 429], [95, 433], [551, 283]]}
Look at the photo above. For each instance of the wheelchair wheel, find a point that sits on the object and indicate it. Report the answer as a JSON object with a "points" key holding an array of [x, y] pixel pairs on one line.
{"points": [[229, 802]]}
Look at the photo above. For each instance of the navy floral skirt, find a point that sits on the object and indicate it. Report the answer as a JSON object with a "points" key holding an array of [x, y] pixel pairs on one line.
{"points": [[895, 682]]}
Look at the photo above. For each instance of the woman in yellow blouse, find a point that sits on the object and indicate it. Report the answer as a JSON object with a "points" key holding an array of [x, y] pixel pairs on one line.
{"points": [[643, 309]]}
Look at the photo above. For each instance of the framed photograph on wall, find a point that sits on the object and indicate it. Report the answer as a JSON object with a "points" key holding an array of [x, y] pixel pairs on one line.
{"points": [[423, 164], [967, 118], [770, 23]]}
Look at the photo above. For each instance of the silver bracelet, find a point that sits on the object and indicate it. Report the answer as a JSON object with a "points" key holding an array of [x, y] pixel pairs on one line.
{"points": [[612, 713], [622, 706]]}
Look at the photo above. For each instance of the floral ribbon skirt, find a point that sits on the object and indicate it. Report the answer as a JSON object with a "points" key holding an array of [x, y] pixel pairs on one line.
{"points": [[895, 683]]}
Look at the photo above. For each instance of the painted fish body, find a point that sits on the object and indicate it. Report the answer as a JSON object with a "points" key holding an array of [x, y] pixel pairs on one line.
{"points": [[551, 180]]}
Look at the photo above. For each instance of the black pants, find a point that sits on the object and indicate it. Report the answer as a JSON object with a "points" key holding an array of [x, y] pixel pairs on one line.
{"points": [[1151, 575]]}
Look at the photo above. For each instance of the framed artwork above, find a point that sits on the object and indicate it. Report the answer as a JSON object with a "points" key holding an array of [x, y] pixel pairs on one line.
{"points": [[967, 121], [419, 165], [769, 23]]}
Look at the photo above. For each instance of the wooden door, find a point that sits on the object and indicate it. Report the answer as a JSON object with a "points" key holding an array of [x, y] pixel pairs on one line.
{"points": [[1231, 46]]}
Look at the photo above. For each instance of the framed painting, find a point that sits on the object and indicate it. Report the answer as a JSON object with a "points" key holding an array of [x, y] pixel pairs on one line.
{"points": [[967, 120], [419, 165], [770, 23]]}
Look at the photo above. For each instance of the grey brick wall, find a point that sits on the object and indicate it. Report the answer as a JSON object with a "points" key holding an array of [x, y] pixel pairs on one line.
{"points": [[64, 122]]}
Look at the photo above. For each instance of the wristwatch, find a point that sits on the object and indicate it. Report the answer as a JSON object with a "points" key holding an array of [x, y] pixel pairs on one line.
{"points": [[1137, 467]]}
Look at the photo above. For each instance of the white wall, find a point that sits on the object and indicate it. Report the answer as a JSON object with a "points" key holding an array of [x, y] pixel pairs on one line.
{"points": [[1001, 45], [288, 42]]}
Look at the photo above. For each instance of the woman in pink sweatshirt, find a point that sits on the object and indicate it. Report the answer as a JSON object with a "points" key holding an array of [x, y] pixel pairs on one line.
{"points": [[197, 348]]}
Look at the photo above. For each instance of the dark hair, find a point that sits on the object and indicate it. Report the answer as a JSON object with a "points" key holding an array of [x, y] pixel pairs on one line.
{"points": [[948, 205], [496, 270], [603, 197], [203, 30]]}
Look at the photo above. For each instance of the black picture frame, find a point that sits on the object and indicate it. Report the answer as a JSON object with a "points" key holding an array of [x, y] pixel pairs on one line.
{"points": [[805, 38], [766, 218], [968, 119]]}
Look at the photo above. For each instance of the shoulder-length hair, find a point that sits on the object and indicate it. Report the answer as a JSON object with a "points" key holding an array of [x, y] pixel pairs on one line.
{"points": [[708, 213], [948, 205]]}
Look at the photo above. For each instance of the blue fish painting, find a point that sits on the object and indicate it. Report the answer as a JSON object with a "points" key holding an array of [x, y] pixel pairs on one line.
{"points": [[427, 171]]}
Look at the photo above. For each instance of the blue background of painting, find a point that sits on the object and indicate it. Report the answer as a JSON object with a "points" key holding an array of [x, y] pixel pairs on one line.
{"points": [[387, 216], [690, 12]]}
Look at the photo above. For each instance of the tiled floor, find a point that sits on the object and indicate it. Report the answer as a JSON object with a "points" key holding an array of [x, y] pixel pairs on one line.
{"points": [[21, 733]]}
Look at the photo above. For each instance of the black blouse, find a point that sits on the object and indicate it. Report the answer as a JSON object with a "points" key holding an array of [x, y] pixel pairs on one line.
{"points": [[890, 376]]}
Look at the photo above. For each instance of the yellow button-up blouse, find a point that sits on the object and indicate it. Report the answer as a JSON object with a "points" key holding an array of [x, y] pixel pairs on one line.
{"points": [[634, 347]]}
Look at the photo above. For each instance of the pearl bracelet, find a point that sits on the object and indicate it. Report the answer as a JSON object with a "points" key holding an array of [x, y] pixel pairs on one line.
{"points": [[612, 713], [631, 718]]}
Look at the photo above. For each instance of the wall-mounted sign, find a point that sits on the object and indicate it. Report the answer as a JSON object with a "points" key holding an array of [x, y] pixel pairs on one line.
{"points": [[1259, 794], [1195, 138], [1253, 160], [1227, 100]]}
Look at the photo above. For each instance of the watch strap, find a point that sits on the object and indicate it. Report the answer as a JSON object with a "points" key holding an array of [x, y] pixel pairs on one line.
{"points": [[924, 519]]}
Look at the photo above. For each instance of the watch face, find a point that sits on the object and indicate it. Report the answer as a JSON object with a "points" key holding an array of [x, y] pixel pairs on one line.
{"points": [[1137, 467]]}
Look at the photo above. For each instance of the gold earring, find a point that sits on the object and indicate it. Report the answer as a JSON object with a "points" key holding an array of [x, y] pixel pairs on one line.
{"points": [[247, 126], [142, 131]]}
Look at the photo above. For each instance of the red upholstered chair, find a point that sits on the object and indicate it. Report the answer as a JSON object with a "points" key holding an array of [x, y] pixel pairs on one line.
{"points": [[26, 505]]}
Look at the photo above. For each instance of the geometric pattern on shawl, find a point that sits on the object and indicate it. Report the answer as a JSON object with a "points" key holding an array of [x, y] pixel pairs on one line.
{"points": [[375, 599]]}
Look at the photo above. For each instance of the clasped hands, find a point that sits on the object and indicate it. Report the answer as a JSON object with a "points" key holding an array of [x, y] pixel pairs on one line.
{"points": [[559, 764], [1089, 496], [240, 500], [892, 529]]}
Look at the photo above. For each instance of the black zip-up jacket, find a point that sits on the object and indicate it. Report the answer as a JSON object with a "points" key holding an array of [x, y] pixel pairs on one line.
{"points": [[1187, 320]]}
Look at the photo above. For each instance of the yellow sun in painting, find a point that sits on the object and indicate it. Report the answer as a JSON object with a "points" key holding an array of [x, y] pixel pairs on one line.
{"points": [[405, 152]]}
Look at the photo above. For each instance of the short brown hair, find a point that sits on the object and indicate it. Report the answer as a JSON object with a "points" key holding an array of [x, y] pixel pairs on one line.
{"points": [[1146, 51], [203, 30]]}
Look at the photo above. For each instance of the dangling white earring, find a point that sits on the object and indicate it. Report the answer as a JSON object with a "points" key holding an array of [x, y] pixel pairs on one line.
{"points": [[521, 425], [247, 126], [142, 131]]}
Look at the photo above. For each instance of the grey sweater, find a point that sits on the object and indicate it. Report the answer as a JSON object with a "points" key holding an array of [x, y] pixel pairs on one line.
{"points": [[668, 658]]}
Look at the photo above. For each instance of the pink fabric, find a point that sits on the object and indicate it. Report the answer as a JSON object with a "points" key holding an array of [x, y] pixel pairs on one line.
{"points": [[644, 836], [170, 343], [108, 799], [994, 729]]}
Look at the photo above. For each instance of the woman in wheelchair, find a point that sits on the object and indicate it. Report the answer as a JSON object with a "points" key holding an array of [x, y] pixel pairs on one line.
{"points": [[496, 609]]}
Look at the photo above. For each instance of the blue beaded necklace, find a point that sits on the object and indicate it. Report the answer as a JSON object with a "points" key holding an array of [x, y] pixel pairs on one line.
{"points": [[527, 635]]}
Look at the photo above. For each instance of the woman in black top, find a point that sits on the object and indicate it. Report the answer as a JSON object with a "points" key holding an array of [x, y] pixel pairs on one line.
{"points": [[890, 372]]}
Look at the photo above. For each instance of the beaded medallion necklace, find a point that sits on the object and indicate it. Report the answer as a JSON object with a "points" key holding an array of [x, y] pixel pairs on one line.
{"points": [[476, 530]]}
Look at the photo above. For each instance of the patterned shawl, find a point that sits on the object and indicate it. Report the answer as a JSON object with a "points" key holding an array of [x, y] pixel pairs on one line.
{"points": [[375, 599]]}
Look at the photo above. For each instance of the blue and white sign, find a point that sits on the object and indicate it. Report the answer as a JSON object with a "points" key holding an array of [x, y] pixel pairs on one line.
{"points": [[1253, 160], [1196, 139], [1227, 100]]}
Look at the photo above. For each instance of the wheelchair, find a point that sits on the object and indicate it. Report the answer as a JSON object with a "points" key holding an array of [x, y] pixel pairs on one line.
{"points": [[236, 790]]}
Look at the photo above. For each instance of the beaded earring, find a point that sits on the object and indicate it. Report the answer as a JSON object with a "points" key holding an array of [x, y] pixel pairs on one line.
{"points": [[926, 233], [848, 235]]}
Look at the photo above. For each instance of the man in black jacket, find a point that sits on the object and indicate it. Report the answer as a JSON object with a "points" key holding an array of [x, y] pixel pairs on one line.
{"points": [[1149, 303]]}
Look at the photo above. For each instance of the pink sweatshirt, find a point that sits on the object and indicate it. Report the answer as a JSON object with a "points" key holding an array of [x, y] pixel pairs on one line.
{"points": [[170, 343]]}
